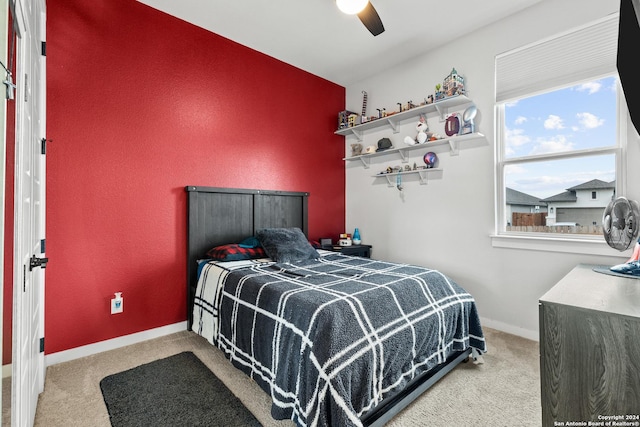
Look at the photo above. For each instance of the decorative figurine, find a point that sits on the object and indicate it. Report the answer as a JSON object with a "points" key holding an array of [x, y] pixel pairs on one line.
{"points": [[452, 124], [370, 149], [363, 117], [343, 118], [430, 159], [468, 117], [422, 137], [439, 95], [356, 149], [453, 84], [352, 120]]}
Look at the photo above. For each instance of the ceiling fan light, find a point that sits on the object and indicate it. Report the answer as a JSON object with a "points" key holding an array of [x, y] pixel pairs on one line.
{"points": [[351, 7]]}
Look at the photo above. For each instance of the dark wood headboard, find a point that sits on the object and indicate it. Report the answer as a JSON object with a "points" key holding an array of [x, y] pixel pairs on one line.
{"points": [[217, 216]]}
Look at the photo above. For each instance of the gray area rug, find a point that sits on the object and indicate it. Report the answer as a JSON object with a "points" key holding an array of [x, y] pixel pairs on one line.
{"points": [[176, 391]]}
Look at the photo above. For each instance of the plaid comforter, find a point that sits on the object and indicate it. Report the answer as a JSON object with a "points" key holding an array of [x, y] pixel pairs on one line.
{"points": [[328, 339]]}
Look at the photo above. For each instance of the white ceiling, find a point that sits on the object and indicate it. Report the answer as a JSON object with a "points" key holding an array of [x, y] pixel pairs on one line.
{"points": [[315, 36]]}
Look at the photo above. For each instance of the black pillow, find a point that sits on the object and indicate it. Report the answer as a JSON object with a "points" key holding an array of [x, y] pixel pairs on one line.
{"points": [[286, 244]]}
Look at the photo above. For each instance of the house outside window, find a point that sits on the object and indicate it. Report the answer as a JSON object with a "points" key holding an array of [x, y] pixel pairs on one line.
{"points": [[558, 141]]}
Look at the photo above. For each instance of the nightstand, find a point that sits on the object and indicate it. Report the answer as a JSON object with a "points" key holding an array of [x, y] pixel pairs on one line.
{"points": [[356, 250]]}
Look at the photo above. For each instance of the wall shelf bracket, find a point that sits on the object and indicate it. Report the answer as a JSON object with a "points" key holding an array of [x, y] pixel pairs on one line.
{"points": [[422, 176], [389, 182], [395, 125], [366, 161], [358, 133], [442, 112], [453, 147], [403, 155]]}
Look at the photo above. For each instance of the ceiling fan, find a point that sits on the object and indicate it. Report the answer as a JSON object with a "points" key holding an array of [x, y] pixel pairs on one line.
{"points": [[365, 11]]}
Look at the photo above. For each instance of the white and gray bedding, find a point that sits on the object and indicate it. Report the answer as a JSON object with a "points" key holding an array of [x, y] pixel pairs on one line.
{"points": [[329, 338]]}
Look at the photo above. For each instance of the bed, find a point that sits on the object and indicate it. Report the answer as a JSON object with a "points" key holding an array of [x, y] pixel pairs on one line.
{"points": [[333, 339]]}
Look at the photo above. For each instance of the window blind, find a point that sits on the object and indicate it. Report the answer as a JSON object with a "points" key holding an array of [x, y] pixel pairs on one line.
{"points": [[585, 53]]}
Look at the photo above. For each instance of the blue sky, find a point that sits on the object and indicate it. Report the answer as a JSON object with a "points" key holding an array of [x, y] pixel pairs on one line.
{"points": [[574, 118]]}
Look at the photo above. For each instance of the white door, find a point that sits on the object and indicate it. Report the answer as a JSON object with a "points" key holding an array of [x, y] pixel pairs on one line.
{"points": [[28, 288]]}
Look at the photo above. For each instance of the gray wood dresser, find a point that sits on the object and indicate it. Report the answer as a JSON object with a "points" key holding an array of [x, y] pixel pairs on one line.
{"points": [[590, 350]]}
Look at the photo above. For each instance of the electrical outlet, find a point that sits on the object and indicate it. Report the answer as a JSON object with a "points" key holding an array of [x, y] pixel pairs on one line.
{"points": [[117, 303]]}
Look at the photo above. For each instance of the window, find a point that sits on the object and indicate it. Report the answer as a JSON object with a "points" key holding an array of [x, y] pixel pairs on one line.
{"points": [[559, 149]]}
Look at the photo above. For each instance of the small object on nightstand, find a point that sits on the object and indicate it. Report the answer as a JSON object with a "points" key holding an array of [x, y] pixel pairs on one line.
{"points": [[356, 237], [326, 243], [345, 240]]}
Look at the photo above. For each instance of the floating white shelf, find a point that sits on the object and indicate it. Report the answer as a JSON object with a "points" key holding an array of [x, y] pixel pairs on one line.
{"points": [[442, 108], [403, 151], [422, 175]]}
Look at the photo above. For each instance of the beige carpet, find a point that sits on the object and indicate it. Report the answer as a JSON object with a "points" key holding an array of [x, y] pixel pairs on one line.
{"points": [[504, 391]]}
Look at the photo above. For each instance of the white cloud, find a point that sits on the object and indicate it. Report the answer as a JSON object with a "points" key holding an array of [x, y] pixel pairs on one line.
{"points": [[515, 169], [589, 121], [614, 86], [514, 138], [591, 87], [553, 122], [553, 145], [520, 120]]}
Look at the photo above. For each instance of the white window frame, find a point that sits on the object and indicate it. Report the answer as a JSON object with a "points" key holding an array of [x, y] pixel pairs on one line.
{"points": [[509, 88]]}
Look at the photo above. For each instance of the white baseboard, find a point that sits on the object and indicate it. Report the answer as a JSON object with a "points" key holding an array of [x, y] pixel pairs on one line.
{"points": [[87, 350], [510, 329]]}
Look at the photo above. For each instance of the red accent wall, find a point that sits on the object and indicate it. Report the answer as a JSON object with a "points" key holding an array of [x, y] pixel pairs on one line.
{"points": [[139, 105]]}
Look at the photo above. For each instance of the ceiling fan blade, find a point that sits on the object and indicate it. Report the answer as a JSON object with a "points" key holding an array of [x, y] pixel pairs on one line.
{"points": [[370, 18]]}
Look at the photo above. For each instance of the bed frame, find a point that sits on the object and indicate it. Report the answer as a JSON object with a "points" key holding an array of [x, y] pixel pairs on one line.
{"points": [[218, 216]]}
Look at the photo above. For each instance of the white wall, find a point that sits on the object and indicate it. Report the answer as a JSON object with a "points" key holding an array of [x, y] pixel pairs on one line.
{"points": [[447, 223]]}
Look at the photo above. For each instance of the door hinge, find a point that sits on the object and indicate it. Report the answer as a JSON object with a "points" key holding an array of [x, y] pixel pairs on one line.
{"points": [[43, 47], [43, 145], [37, 262], [42, 345], [24, 278], [42, 246]]}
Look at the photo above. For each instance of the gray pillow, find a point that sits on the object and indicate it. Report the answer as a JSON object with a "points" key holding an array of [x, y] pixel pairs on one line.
{"points": [[286, 244]]}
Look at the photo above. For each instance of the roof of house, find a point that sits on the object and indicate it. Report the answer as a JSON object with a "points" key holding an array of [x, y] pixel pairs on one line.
{"points": [[515, 197], [570, 194], [594, 184], [567, 196]]}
